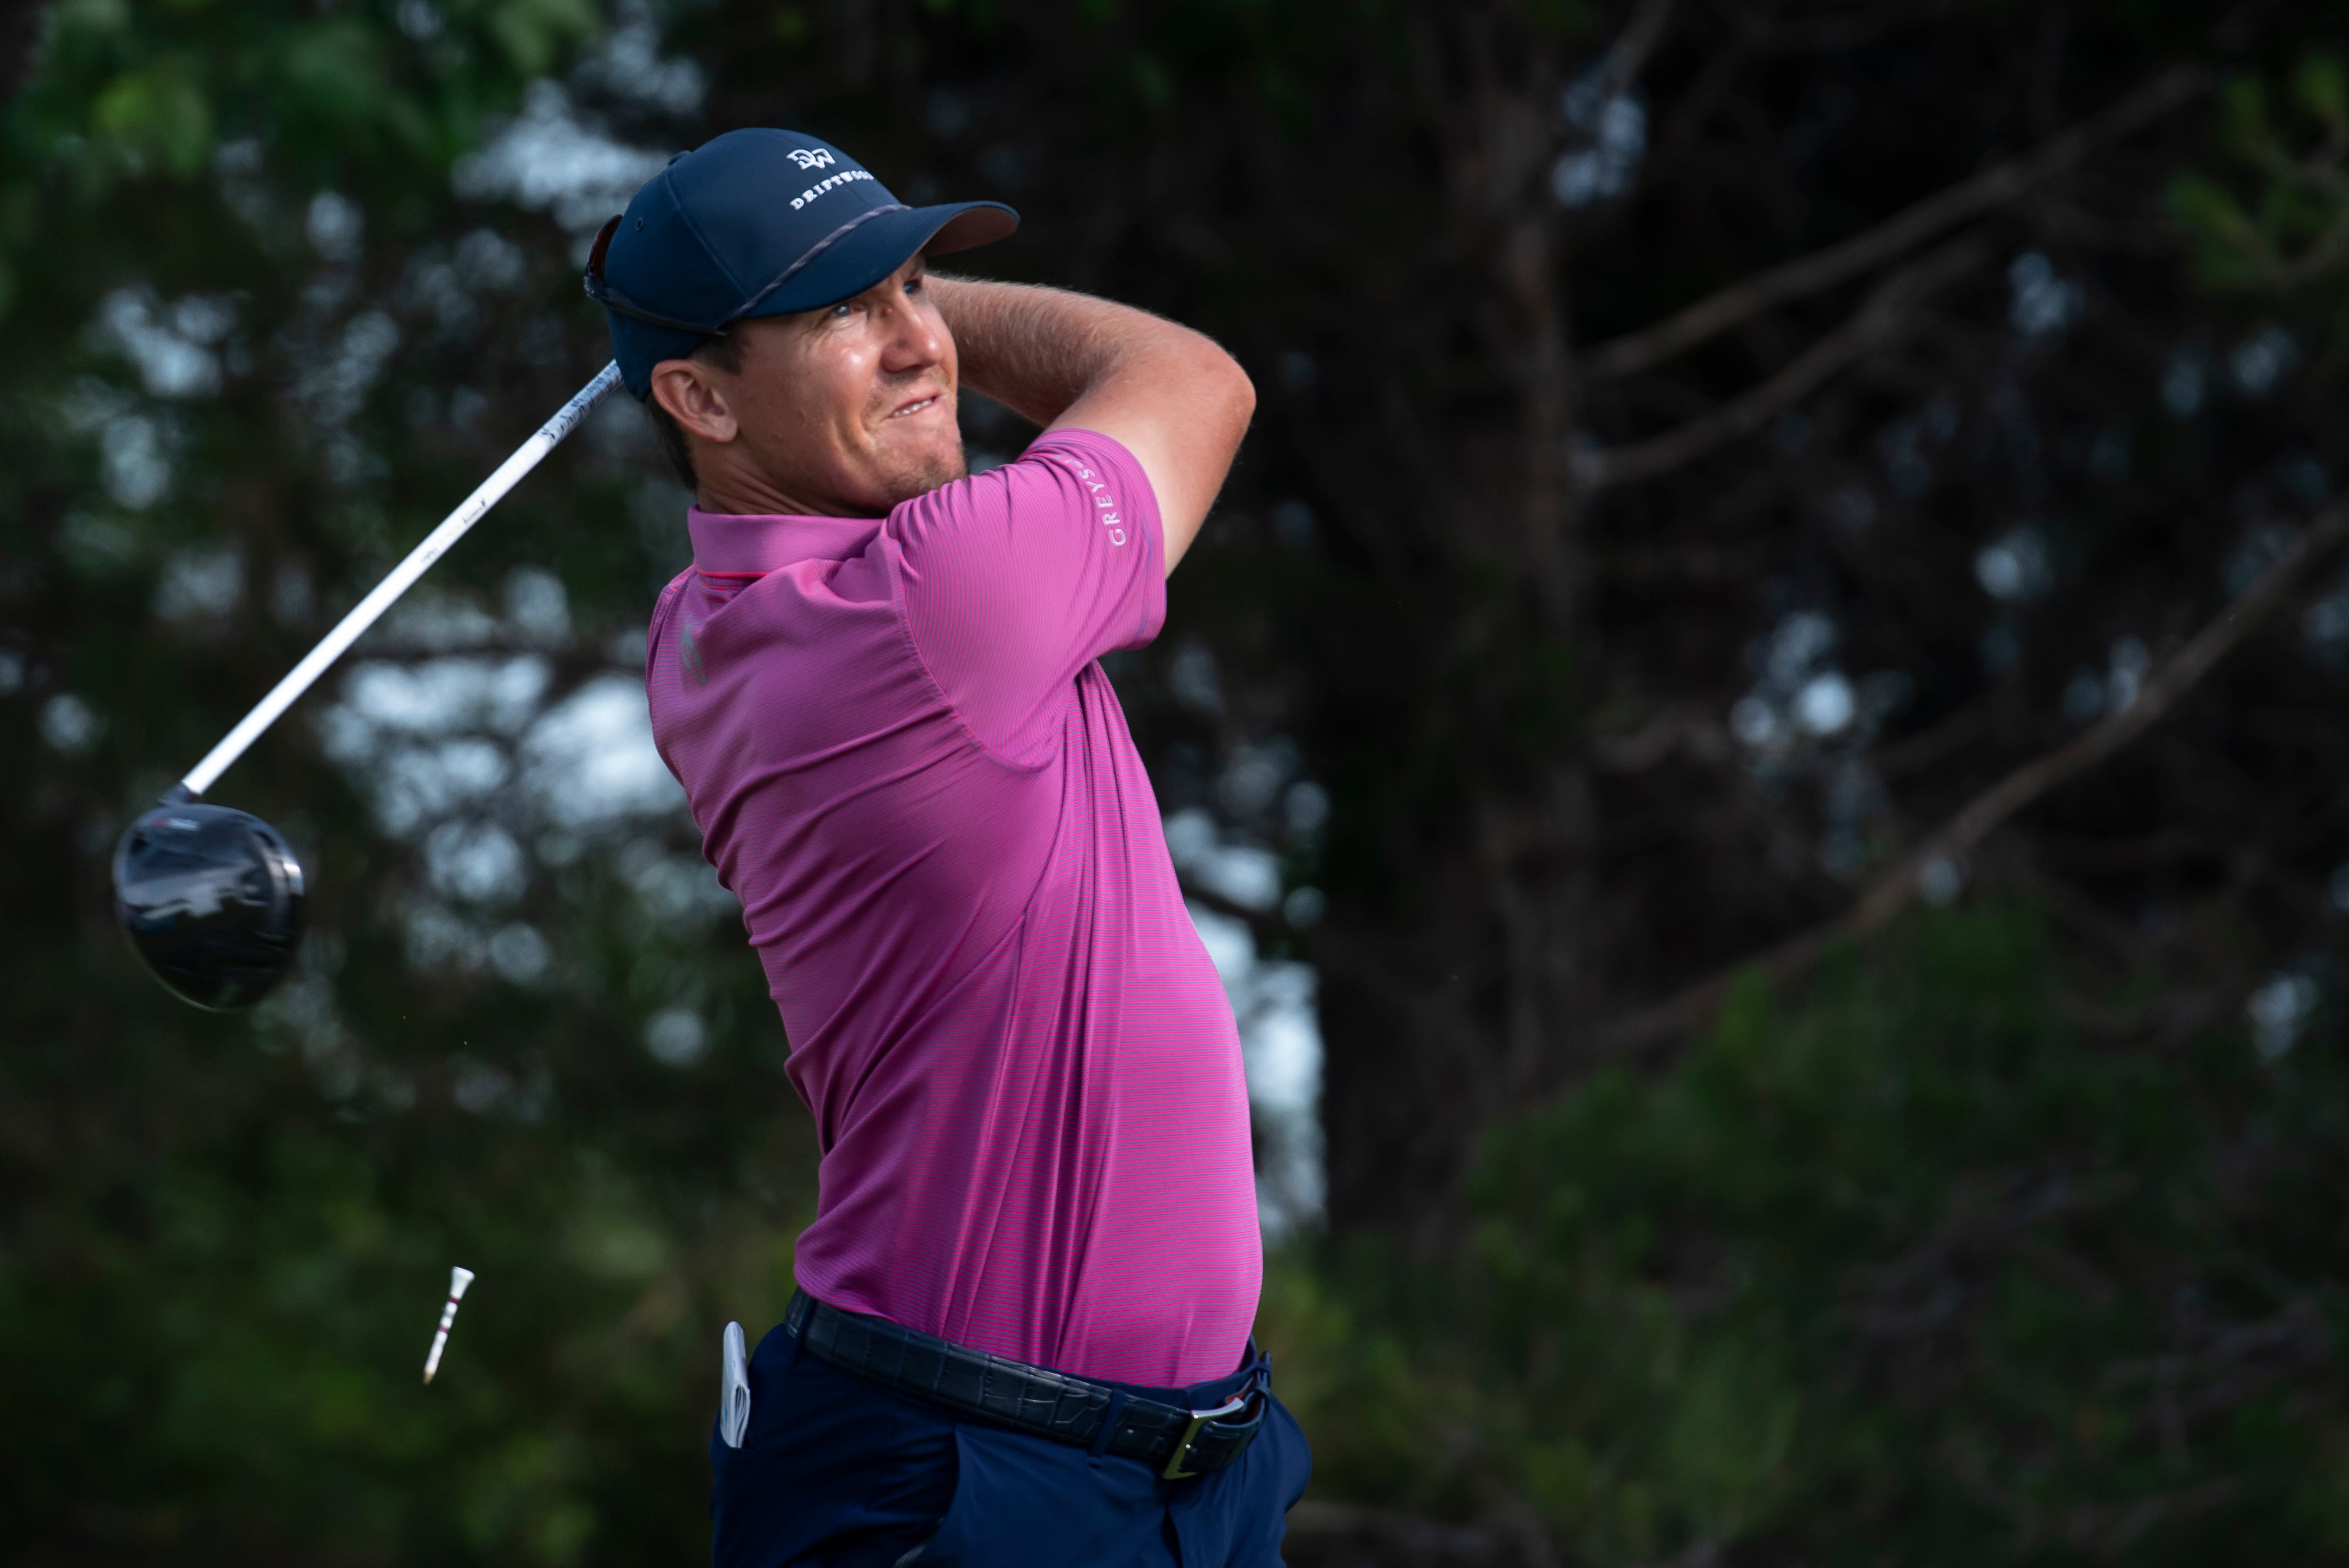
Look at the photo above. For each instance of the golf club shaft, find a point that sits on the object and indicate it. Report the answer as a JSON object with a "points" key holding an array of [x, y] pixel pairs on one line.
{"points": [[402, 578]]}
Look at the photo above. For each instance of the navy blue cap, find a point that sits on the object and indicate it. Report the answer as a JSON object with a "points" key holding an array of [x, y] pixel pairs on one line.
{"points": [[758, 222]]}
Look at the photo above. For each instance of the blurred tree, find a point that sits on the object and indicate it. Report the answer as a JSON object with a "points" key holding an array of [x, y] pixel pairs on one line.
{"points": [[1715, 460], [1704, 449], [275, 302], [1909, 1270]]}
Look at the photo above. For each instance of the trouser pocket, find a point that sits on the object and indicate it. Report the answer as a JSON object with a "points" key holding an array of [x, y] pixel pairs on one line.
{"points": [[1030, 1502], [1238, 1516]]}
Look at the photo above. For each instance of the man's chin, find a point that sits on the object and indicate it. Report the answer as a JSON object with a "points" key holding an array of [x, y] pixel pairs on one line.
{"points": [[919, 475]]}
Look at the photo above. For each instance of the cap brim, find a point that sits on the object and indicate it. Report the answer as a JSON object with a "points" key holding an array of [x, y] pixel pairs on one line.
{"points": [[872, 250], [968, 225]]}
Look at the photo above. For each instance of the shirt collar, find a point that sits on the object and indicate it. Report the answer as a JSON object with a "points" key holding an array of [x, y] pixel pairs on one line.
{"points": [[726, 544]]}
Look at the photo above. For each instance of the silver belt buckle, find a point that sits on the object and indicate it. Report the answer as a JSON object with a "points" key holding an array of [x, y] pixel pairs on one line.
{"points": [[1174, 1471]]}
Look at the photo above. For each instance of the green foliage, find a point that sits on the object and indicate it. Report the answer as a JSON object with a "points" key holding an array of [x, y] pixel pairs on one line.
{"points": [[1903, 1268], [535, 33], [2277, 216], [1900, 1267], [225, 1240]]}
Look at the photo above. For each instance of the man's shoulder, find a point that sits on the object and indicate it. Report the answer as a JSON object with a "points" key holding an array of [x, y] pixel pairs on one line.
{"points": [[1065, 476]]}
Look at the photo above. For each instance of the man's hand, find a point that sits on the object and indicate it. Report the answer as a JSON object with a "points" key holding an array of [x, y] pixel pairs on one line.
{"points": [[1169, 394]]}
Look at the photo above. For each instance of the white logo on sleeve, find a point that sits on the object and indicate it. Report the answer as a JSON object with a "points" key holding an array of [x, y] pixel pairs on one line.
{"points": [[811, 157], [1105, 503]]}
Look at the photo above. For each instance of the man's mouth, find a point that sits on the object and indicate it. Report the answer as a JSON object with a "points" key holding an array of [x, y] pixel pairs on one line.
{"points": [[916, 407]]}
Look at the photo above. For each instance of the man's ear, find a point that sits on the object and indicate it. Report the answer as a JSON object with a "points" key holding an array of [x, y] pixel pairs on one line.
{"points": [[691, 396]]}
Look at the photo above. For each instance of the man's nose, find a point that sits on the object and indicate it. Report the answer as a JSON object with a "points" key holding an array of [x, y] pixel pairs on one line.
{"points": [[912, 337]]}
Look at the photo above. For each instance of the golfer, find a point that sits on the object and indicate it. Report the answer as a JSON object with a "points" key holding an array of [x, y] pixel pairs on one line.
{"points": [[1021, 1332]]}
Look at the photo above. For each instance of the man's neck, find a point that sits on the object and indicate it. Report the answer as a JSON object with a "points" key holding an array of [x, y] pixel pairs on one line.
{"points": [[752, 495]]}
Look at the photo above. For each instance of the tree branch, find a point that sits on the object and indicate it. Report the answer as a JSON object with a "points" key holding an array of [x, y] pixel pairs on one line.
{"points": [[1892, 891], [1931, 746], [1639, 36], [1838, 262], [1886, 313], [1610, 77]]}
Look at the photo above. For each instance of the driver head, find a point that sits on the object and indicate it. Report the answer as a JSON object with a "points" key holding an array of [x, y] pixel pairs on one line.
{"points": [[210, 899]]}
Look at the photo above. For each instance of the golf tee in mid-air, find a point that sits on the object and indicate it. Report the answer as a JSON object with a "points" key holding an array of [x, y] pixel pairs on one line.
{"points": [[458, 1278], [210, 897]]}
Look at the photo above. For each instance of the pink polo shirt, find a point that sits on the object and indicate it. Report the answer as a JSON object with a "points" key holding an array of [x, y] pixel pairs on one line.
{"points": [[906, 764]]}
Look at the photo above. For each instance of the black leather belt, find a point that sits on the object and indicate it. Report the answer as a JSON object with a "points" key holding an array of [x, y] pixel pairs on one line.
{"points": [[1173, 1440]]}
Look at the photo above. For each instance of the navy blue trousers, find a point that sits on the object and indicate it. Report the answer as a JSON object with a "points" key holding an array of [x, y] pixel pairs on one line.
{"points": [[836, 1472]]}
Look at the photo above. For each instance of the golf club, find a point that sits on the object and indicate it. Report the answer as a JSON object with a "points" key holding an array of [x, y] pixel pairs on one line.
{"points": [[210, 897]]}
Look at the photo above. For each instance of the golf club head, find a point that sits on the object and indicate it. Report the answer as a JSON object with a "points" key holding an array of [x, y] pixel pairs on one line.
{"points": [[210, 899]]}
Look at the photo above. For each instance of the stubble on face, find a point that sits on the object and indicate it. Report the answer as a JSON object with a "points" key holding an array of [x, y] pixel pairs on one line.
{"points": [[853, 418], [903, 469]]}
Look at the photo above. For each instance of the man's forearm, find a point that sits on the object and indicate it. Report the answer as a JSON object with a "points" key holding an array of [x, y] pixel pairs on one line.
{"points": [[1038, 350], [1174, 400]]}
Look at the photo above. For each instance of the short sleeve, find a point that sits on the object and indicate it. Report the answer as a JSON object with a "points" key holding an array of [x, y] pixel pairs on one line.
{"points": [[1014, 579]]}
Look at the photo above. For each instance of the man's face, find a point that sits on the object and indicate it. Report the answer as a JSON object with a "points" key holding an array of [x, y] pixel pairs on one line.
{"points": [[846, 410]]}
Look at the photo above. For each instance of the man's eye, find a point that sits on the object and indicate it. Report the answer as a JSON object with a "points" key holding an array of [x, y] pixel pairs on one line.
{"points": [[840, 312]]}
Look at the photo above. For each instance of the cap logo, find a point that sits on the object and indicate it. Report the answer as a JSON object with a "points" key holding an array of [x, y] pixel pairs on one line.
{"points": [[829, 182], [811, 157]]}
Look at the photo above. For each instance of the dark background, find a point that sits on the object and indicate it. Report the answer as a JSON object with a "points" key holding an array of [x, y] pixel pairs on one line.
{"points": [[1810, 825]]}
